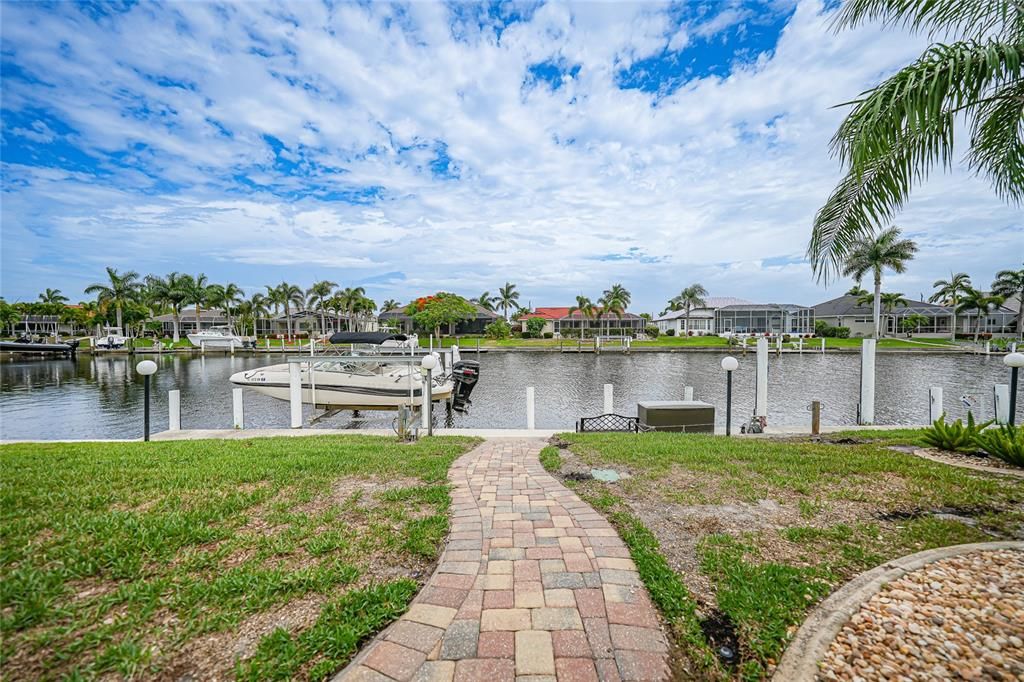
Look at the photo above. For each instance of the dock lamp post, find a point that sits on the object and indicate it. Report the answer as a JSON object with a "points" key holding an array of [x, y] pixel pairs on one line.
{"points": [[146, 368], [429, 362], [729, 364], [1014, 361]]}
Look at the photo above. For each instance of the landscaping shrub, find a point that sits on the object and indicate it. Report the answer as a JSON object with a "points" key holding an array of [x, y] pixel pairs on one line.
{"points": [[549, 335], [1005, 443], [670, 332], [498, 329], [824, 329], [535, 326], [526, 335], [652, 331], [955, 437]]}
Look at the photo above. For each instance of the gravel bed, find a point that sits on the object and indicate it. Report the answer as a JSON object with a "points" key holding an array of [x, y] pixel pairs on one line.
{"points": [[958, 618]]}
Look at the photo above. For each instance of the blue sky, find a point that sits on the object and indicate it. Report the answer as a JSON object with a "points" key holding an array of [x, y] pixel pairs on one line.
{"points": [[425, 146]]}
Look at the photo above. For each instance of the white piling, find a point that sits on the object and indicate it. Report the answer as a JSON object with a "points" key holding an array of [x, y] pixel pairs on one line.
{"points": [[267, 340], [174, 410], [687, 392], [1001, 395], [988, 348], [823, 345], [867, 382], [202, 347], [295, 393], [236, 401], [935, 408], [530, 414], [608, 399], [761, 387]]}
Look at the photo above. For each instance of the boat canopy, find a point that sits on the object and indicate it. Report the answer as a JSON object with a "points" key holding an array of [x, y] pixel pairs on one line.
{"points": [[372, 338]]}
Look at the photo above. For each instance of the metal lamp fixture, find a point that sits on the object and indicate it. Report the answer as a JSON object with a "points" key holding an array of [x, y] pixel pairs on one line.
{"points": [[428, 363], [729, 364], [146, 368]]}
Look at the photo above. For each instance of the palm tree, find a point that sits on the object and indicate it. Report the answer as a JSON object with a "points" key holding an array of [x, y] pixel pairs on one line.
{"points": [[856, 290], [689, 298], [899, 130], [168, 292], [981, 302], [874, 254], [232, 296], [256, 307], [614, 301], [119, 290], [949, 292], [389, 305], [485, 301], [285, 294], [196, 292], [507, 298], [363, 308], [586, 309], [1010, 283], [52, 296], [349, 298], [890, 301], [318, 295]]}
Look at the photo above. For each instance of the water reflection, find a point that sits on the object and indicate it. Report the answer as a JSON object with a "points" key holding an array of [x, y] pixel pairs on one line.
{"points": [[100, 397]]}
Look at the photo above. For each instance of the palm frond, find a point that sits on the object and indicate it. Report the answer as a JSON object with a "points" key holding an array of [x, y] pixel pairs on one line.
{"points": [[997, 143], [962, 17]]}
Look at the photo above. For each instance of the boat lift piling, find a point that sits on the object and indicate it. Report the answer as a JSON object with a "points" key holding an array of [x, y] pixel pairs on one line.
{"points": [[174, 410], [761, 385], [866, 409], [609, 398]]}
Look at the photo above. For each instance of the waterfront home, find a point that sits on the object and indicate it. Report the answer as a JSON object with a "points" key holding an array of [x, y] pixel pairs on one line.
{"points": [[764, 318], [558, 320], [845, 311], [701, 320], [400, 321]]}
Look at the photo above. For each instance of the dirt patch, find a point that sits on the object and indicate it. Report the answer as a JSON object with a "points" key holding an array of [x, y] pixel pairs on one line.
{"points": [[213, 656], [962, 458], [363, 491]]}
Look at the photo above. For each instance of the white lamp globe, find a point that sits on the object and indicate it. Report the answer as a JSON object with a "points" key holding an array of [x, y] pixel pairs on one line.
{"points": [[729, 363], [1014, 360], [428, 362], [146, 367]]}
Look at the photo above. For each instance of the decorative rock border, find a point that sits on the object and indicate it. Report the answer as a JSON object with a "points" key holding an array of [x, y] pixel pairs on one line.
{"points": [[925, 454], [814, 638]]}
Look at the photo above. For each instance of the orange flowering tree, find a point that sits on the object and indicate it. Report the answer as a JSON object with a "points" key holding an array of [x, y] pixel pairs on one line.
{"points": [[443, 308]]}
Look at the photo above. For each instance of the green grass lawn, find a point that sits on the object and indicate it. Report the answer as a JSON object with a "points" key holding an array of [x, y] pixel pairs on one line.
{"points": [[754, 533], [262, 559]]}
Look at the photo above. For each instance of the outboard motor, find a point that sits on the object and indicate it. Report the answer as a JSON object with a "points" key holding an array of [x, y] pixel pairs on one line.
{"points": [[465, 374]]}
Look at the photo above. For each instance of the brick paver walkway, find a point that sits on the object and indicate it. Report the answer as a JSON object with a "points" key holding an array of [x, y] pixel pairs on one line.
{"points": [[533, 585]]}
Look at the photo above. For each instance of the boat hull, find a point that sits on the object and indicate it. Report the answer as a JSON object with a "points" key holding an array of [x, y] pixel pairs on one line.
{"points": [[215, 341], [36, 348], [341, 391]]}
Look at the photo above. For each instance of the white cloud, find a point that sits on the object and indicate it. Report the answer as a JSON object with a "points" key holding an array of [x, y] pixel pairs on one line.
{"points": [[720, 178]]}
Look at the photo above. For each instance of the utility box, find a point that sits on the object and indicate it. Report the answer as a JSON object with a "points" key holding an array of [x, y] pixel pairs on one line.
{"points": [[690, 416]]}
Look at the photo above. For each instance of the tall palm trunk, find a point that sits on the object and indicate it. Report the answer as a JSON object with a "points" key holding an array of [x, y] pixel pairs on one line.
{"points": [[288, 321], [952, 334], [176, 323], [117, 310], [876, 306]]}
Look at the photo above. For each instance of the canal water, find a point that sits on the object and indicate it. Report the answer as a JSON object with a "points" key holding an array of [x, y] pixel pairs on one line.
{"points": [[101, 397]]}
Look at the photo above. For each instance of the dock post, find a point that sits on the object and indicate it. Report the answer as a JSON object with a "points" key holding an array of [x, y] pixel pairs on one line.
{"points": [[232, 342], [174, 410], [478, 346], [815, 417], [988, 348], [530, 414], [867, 382], [687, 393], [608, 399], [202, 347], [236, 403], [823, 345], [295, 393], [935, 408], [1001, 396], [761, 385]]}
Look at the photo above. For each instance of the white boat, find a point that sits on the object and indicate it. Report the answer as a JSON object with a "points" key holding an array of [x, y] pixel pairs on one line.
{"points": [[341, 381], [111, 338], [215, 337]]}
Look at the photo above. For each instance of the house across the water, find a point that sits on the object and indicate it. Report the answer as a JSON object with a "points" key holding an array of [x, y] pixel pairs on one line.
{"points": [[558, 320]]}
